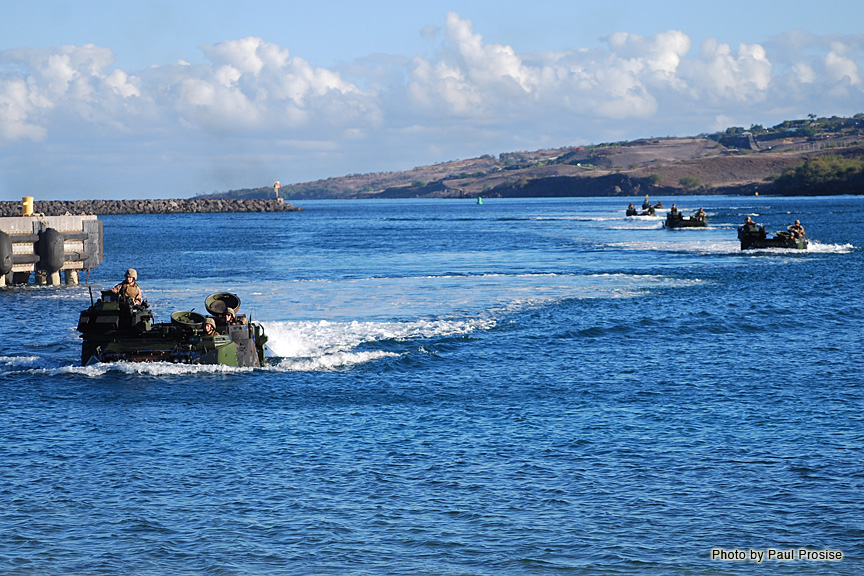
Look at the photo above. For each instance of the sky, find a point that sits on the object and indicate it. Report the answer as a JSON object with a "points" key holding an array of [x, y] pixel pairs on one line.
{"points": [[170, 99]]}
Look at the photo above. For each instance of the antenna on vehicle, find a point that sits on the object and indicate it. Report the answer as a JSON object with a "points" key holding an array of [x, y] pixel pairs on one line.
{"points": [[91, 295]]}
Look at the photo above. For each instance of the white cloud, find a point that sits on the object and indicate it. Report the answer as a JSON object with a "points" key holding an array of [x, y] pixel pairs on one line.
{"points": [[247, 84], [841, 68], [721, 76], [662, 53], [17, 109], [804, 73], [60, 85], [487, 63], [120, 82], [471, 78], [249, 55]]}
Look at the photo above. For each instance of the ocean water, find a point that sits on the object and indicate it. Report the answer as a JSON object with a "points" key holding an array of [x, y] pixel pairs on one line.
{"points": [[527, 386]]}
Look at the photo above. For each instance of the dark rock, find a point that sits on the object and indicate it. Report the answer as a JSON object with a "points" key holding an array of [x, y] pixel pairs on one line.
{"points": [[183, 205]]}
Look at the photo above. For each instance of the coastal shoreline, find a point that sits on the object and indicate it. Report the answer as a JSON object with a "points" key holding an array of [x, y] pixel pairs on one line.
{"points": [[175, 206]]}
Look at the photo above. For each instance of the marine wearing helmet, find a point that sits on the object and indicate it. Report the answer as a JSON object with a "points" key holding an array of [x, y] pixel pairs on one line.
{"points": [[129, 287]]}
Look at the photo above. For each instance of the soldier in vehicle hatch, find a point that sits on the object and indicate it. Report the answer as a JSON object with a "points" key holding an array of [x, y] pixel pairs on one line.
{"points": [[129, 287], [224, 316], [796, 230], [209, 327]]}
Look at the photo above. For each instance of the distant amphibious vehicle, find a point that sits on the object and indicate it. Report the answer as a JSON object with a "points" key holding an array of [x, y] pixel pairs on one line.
{"points": [[676, 220], [116, 329], [631, 211], [755, 237]]}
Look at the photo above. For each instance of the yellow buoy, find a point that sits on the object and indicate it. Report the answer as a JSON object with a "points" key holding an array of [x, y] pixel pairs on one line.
{"points": [[27, 206]]}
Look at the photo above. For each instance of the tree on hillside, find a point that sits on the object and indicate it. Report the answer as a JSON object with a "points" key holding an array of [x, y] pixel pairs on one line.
{"points": [[690, 182], [829, 174]]}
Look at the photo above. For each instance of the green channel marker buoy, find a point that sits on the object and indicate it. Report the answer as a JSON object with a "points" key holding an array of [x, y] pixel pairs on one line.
{"points": [[479, 200]]}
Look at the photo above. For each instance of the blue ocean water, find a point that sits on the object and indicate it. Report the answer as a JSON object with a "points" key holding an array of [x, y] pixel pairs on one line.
{"points": [[527, 386]]}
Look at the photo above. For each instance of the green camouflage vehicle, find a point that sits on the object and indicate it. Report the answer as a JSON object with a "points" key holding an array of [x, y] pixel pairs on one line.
{"points": [[114, 329], [753, 236], [676, 220]]}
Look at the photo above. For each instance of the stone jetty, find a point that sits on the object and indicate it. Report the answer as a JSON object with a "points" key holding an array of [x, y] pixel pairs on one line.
{"points": [[178, 206]]}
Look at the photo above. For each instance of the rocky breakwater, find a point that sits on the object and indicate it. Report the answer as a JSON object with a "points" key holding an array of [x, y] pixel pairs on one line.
{"points": [[179, 206]]}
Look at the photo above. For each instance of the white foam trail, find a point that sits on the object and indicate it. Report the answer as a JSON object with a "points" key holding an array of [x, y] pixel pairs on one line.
{"points": [[19, 360], [139, 368], [702, 247], [316, 339], [638, 223], [729, 247], [574, 218], [812, 248], [327, 362], [653, 226], [820, 248]]}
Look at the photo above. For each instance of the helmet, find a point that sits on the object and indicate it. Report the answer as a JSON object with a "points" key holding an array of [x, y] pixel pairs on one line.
{"points": [[230, 312], [133, 273], [210, 322]]}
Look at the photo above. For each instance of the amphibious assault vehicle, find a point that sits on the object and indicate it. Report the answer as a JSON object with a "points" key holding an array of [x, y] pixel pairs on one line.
{"points": [[756, 237], [676, 220], [647, 212], [115, 329]]}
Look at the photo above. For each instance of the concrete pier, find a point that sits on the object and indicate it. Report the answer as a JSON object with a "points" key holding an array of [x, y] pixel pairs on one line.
{"points": [[44, 246]]}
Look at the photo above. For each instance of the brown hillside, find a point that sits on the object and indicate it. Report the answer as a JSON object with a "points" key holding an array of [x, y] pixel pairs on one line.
{"points": [[662, 165]]}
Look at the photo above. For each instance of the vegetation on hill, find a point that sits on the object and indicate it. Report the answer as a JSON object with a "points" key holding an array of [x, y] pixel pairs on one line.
{"points": [[793, 157], [830, 174], [810, 128]]}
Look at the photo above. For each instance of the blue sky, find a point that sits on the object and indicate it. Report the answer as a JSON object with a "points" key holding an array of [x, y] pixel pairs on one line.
{"points": [[171, 99]]}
